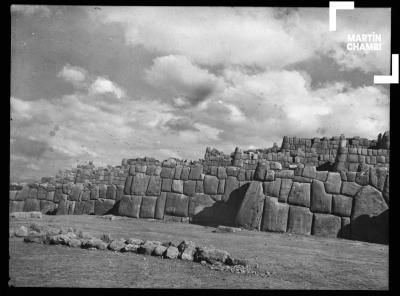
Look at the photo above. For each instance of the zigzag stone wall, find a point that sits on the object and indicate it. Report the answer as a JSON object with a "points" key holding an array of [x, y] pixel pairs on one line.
{"points": [[264, 196]]}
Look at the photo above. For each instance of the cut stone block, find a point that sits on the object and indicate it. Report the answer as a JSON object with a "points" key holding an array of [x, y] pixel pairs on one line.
{"points": [[272, 188], [231, 183], [250, 211], [342, 205], [300, 194], [189, 187], [326, 225], [286, 186], [350, 188], [321, 202], [139, 184], [211, 184], [129, 206], [176, 205], [160, 206], [148, 206], [300, 220], [333, 183], [111, 192], [275, 215]]}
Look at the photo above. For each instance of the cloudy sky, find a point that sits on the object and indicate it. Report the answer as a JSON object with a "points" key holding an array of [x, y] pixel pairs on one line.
{"points": [[106, 83]]}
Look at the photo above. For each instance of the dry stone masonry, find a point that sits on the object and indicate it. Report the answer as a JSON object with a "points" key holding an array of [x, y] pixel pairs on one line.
{"points": [[336, 187]]}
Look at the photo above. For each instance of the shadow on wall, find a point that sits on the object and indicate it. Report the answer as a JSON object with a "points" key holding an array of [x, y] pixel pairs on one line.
{"points": [[222, 212], [369, 229], [327, 166]]}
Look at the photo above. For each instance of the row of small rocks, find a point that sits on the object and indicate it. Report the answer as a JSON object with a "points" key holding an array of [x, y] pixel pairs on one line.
{"points": [[186, 250]]}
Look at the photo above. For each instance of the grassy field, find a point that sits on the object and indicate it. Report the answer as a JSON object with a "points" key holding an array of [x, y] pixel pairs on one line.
{"points": [[294, 262]]}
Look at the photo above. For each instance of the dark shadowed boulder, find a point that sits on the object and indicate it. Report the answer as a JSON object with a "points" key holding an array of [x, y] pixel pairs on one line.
{"points": [[326, 225]]}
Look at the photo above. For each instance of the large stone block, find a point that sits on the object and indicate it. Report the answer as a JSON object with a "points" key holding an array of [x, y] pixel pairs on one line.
{"points": [[50, 196], [221, 186], [333, 183], [321, 202], [284, 174], [222, 173], [241, 175], [79, 207], [300, 194], [94, 193], [148, 207], [300, 220], [195, 172], [23, 193], [211, 184], [261, 170], [139, 184], [286, 186], [120, 192], [185, 173], [342, 205], [166, 185], [13, 194], [250, 211], [102, 191], [33, 193], [42, 192], [154, 187], [31, 205], [160, 206], [111, 192], [377, 177], [369, 218], [326, 225], [47, 207], [176, 205], [85, 195], [178, 172], [272, 188], [275, 215], [350, 188], [231, 183], [103, 206], [177, 186], [76, 192], [65, 207], [128, 185], [345, 230], [310, 172], [129, 206], [199, 186], [165, 172], [59, 196], [16, 206], [189, 187]]}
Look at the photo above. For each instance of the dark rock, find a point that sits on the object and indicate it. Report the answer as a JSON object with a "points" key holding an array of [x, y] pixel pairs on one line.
{"points": [[211, 255], [31, 205], [166, 185], [111, 192], [231, 183]]}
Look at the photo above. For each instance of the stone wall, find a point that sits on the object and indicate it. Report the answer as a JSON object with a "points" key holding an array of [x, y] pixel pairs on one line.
{"points": [[256, 193]]}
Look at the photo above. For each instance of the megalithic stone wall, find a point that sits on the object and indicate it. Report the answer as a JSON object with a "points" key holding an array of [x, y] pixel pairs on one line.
{"points": [[254, 193], [305, 201]]}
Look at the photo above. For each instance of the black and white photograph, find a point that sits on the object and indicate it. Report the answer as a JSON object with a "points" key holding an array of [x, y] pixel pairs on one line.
{"points": [[200, 147]]}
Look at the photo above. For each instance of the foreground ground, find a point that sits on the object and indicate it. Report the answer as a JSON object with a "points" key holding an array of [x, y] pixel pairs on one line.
{"points": [[293, 262]]}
